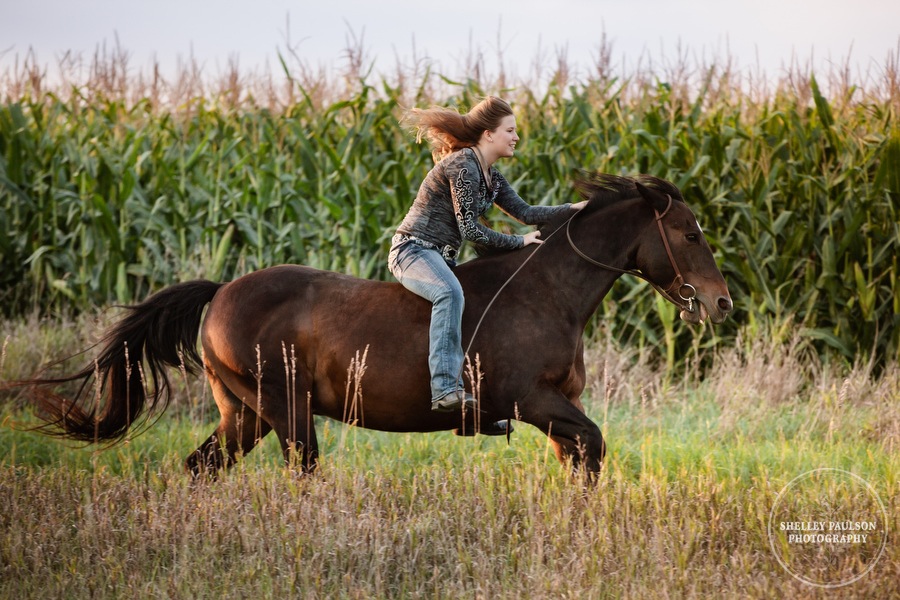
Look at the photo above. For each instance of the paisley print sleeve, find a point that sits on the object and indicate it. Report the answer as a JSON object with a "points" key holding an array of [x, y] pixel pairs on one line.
{"points": [[465, 206]]}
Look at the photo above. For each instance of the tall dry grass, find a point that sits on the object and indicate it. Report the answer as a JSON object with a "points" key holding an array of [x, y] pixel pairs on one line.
{"points": [[694, 468]]}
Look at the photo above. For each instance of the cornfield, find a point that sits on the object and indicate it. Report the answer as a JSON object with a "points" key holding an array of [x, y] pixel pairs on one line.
{"points": [[114, 186], [108, 193]]}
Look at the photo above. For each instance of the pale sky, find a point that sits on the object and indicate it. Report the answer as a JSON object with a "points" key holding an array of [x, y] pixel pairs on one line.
{"points": [[768, 33]]}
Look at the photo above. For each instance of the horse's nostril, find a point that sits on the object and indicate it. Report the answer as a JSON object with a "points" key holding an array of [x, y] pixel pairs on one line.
{"points": [[725, 304]]}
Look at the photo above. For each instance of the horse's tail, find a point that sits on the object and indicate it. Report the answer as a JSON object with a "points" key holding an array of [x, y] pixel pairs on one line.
{"points": [[159, 332]]}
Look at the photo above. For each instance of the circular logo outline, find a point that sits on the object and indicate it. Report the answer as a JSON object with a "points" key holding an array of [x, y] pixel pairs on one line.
{"points": [[806, 475]]}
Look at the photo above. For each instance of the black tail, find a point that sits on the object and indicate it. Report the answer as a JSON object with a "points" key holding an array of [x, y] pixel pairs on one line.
{"points": [[161, 331]]}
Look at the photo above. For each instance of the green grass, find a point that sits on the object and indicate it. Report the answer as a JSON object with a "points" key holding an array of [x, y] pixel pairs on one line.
{"points": [[109, 191], [681, 510]]}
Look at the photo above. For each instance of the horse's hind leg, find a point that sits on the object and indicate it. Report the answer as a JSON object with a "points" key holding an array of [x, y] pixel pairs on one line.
{"points": [[296, 432], [239, 430], [302, 450]]}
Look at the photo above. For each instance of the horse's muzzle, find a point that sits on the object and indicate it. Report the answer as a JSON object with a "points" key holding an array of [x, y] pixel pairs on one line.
{"points": [[716, 311]]}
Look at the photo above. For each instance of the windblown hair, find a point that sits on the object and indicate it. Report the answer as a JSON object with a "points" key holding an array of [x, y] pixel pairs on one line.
{"points": [[448, 131]]}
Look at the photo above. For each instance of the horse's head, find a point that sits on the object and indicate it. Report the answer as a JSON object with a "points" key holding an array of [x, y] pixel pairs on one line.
{"points": [[674, 255]]}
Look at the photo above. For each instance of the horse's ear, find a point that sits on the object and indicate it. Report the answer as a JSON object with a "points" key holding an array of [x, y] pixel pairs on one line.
{"points": [[655, 198]]}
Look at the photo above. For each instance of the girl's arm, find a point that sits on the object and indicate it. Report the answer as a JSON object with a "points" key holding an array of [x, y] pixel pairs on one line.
{"points": [[509, 202]]}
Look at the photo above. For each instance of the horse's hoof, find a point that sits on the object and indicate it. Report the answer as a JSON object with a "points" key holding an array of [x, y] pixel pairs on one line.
{"points": [[503, 427]]}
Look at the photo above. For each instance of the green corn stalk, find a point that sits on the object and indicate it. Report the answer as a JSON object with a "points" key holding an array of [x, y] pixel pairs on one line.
{"points": [[106, 199]]}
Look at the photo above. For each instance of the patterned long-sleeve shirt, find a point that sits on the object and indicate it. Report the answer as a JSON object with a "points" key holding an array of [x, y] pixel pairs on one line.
{"points": [[454, 195]]}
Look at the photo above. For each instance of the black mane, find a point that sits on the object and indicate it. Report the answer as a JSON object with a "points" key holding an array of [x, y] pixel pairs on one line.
{"points": [[602, 190], [605, 189]]}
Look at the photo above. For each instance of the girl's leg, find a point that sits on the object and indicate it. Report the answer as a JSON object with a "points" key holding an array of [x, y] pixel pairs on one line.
{"points": [[425, 273]]}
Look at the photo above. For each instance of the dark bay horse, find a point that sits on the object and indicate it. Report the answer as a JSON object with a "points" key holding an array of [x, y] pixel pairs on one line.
{"points": [[278, 344]]}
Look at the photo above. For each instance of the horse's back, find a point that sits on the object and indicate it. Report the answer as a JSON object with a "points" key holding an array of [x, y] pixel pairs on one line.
{"points": [[278, 302], [315, 323], [319, 313]]}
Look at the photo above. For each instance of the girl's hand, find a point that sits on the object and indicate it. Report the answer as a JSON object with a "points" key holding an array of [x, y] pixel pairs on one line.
{"points": [[533, 238], [579, 205]]}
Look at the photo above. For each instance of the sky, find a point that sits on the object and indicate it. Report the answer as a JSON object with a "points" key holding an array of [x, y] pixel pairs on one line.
{"points": [[755, 34]]}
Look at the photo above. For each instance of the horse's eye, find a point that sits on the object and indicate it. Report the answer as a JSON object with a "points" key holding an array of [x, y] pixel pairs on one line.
{"points": [[692, 238]]}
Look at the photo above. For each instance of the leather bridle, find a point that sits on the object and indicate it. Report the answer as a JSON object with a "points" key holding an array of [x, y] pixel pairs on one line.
{"points": [[686, 292]]}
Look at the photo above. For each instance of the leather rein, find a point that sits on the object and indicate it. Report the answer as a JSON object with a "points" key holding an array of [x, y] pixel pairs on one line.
{"points": [[686, 292]]}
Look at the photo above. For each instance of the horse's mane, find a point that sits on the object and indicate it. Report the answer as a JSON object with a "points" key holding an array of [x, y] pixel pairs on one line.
{"points": [[601, 190], [604, 189]]}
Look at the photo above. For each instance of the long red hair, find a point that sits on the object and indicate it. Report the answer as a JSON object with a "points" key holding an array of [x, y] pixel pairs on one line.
{"points": [[447, 130]]}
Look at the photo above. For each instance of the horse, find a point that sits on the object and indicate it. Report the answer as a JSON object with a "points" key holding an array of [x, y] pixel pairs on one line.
{"points": [[288, 342]]}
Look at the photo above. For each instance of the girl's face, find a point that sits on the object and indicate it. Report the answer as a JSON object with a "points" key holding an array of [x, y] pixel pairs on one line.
{"points": [[503, 139]]}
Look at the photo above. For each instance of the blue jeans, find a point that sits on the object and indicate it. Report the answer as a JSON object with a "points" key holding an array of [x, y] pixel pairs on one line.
{"points": [[424, 272]]}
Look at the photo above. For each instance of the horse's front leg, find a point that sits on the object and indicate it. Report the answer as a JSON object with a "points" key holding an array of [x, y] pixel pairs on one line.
{"points": [[574, 436]]}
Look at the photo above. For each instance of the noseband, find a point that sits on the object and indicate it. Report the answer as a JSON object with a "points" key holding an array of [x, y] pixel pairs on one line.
{"points": [[686, 292]]}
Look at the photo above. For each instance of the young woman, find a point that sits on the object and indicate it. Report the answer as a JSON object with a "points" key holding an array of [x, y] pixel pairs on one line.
{"points": [[460, 188]]}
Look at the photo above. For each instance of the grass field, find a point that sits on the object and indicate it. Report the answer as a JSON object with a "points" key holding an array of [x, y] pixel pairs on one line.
{"points": [[695, 466], [113, 186]]}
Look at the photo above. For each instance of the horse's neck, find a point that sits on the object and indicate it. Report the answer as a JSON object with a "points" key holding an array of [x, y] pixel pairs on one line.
{"points": [[605, 236], [555, 276], [578, 286]]}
